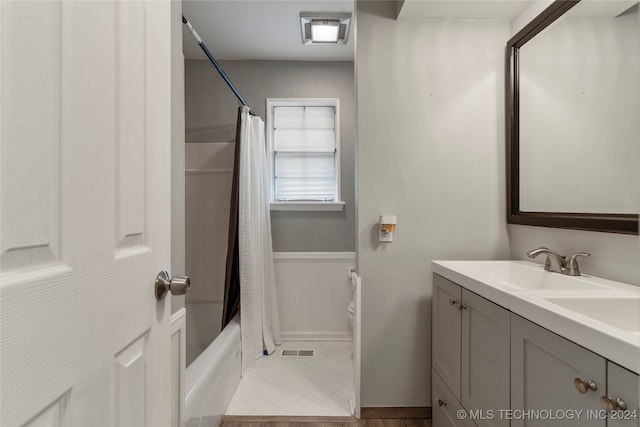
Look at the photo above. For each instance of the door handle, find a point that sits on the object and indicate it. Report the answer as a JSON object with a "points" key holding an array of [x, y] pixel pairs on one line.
{"points": [[178, 285]]}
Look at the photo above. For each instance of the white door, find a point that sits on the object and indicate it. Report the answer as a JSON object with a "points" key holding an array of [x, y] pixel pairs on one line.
{"points": [[85, 193]]}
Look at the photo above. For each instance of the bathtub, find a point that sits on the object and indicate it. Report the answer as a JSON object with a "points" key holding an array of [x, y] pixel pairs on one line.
{"points": [[212, 378]]}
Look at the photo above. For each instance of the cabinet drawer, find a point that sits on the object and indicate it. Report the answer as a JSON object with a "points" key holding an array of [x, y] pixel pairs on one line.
{"points": [[445, 406]]}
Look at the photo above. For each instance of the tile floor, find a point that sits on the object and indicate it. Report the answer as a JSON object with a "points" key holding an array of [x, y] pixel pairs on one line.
{"points": [[294, 386]]}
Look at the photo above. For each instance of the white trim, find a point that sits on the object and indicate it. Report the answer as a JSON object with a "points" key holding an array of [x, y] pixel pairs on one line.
{"points": [[206, 171], [307, 206], [350, 256], [316, 336], [309, 102], [178, 325], [178, 321]]}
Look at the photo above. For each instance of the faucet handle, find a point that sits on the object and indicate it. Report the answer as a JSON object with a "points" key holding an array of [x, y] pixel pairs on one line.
{"points": [[572, 265]]}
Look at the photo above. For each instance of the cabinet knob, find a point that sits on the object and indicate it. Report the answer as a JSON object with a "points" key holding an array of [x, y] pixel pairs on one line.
{"points": [[442, 402], [457, 304], [613, 403], [584, 386]]}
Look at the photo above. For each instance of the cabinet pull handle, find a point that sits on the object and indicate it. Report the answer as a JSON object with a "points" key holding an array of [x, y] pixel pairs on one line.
{"points": [[462, 307], [442, 402], [452, 301], [611, 404], [584, 386]]}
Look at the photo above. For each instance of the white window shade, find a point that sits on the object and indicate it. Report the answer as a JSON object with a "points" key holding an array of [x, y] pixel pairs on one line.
{"points": [[304, 140], [304, 153], [302, 117]]}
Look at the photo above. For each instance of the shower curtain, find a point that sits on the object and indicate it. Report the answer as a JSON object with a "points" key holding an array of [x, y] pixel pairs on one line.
{"points": [[231, 303], [259, 317]]}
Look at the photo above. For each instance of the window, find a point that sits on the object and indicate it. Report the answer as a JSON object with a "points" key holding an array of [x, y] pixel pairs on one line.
{"points": [[304, 153]]}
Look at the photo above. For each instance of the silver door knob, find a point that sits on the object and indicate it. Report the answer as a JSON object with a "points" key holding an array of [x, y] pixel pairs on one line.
{"points": [[584, 386], [178, 285], [613, 403]]}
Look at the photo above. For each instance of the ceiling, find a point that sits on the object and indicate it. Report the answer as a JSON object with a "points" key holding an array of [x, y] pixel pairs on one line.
{"points": [[498, 10], [270, 29], [260, 29]]}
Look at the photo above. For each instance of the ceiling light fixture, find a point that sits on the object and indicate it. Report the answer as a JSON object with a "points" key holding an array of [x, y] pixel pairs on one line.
{"points": [[325, 28]]}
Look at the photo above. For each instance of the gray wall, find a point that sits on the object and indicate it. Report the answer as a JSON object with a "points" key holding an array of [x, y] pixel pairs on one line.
{"points": [[431, 150], [211, 109]]}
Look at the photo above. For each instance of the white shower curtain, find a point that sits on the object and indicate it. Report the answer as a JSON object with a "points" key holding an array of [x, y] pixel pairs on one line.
{"points": [[259, 317]]}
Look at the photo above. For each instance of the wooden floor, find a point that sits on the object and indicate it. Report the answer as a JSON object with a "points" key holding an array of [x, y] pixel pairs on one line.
{"points": [[241, 421]]}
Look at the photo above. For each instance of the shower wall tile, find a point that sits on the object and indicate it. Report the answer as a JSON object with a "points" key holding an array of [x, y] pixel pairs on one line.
{"points": [[207, 201]]}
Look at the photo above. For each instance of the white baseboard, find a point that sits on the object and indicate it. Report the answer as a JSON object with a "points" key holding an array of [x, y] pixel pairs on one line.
{"points": [[316, 336], [315, 256]]}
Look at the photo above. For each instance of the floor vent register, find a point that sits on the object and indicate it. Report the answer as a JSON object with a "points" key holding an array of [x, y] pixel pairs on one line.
{"points": [[297, 353]]}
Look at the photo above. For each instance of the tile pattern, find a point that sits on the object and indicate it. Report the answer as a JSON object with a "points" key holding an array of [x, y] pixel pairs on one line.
{"points": [[288, 386], [207, 200]]}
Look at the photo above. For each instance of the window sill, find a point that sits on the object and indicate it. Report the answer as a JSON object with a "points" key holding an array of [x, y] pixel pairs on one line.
{"points": [[307, 206]]}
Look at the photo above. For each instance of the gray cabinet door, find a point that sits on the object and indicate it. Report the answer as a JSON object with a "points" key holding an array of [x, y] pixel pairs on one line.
{"points": [[543, 369], [446, 332], [485, 359], [625, 385]]}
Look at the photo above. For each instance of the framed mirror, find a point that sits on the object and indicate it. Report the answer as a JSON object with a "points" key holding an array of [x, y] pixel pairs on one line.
{"points": [[573, 118]]}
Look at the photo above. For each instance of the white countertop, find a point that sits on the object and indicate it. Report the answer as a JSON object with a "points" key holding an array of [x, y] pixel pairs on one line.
{"points": [[606, 319]]}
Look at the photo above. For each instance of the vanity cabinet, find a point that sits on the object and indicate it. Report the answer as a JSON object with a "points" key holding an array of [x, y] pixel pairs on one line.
{"points": [[623, 388], [544, 370], [471, 352]]}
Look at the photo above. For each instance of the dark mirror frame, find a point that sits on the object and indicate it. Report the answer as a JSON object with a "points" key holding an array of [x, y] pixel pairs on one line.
{"points": [[605, 222]]}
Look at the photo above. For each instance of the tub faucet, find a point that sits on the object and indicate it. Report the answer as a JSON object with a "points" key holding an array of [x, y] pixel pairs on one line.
{"points": [[570, 268]]}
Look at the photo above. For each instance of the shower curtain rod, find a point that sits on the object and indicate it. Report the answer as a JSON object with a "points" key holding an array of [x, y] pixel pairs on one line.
{"points": [[215, 64]]}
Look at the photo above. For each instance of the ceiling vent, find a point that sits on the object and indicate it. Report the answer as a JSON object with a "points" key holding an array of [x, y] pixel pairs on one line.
{"points": [[325, 28]]}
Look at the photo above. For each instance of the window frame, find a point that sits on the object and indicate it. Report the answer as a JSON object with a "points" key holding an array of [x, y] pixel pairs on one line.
{"points": [[334, 205]]}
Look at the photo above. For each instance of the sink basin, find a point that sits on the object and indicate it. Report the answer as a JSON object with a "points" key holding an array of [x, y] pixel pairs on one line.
{"points": [[523, 275], [621, 313]]}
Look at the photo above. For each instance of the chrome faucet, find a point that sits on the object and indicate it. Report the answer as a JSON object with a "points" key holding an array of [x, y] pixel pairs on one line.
{"points": [[570, 268], [561, 261]]}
